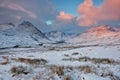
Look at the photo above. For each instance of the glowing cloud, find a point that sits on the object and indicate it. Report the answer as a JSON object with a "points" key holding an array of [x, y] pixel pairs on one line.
{"points": [[65, 17]]}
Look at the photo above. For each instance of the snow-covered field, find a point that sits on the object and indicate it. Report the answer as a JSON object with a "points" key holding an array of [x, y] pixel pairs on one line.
{"points": [[28, 54], [61, 63]]}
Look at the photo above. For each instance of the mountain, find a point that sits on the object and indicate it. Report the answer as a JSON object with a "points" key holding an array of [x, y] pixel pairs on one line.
{"points": [[25, 34], [99, 35], [29, 29], [5, 26], [58, 36]]}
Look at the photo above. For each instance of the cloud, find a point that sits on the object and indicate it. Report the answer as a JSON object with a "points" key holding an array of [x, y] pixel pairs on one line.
{"points": [[91, 15], [63, 20], [35, 11], [65, 17], [17, 7]]}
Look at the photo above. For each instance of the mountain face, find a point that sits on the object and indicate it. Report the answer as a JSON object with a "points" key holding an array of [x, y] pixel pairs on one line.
{"points": [[25, 34], [59, 36], [29, 29], [99, 35], [6, 26]]}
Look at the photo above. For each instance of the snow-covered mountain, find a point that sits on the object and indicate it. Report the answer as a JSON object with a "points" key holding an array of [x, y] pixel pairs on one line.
{"points": [[5, 26], [29, 29], [99, 35], [59, 36], [25, 34]]}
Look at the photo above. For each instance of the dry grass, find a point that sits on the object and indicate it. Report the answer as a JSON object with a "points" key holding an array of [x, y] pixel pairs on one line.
{"points": [[37, 76], [16, 70], [104, 61], [5, 62], [84, 59], [66, 55], [93, 60], [75, 53], [60, 70], [51, 49], [32, 61], [86, 69], [57, 69]]}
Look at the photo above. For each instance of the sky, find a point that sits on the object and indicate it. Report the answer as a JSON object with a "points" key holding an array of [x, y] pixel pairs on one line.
{"points": [[71, 16]]}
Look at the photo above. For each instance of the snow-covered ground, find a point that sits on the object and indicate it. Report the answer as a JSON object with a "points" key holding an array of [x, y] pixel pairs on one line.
{"points": [[61, 63], [28, 54], [98, 35]]}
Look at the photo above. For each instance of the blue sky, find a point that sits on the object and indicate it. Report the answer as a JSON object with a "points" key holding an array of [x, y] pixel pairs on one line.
{"points": [[70, 6]]}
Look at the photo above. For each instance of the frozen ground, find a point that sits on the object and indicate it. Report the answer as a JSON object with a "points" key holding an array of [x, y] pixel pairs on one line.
{"points": [[61, 62]]}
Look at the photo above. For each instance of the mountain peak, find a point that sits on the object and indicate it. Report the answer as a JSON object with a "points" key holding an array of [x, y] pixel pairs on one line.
{"points": [[5, 26], [27, 26], [102, 29], [26, 23], [99, 35], [100, 32]]}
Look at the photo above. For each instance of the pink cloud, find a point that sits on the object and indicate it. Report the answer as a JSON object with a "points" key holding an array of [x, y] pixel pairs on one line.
{"points": [[91, 15], [65, 17], [17, 7]]}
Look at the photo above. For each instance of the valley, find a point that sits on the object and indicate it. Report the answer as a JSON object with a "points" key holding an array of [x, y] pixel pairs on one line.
{"points": [[28, 54]]}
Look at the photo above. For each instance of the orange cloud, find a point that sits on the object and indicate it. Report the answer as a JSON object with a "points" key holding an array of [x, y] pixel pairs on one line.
{"points": [[65, 17], [91, 15]]}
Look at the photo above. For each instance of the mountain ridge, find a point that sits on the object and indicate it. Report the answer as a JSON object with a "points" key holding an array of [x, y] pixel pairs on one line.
{"points": [[25, 34], [98, 35]]}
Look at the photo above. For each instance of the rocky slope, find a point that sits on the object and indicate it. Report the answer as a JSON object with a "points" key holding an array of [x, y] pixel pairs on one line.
{"points": [[99, 35], [25, 34]]}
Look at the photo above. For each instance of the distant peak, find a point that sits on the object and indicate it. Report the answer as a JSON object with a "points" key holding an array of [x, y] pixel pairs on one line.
{"points": [[11, 24], [6, 26], [26, 23], [104, 28]]}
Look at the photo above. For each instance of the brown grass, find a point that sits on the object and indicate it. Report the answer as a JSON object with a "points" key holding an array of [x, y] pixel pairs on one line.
{"points": [[51, 49], [104, 61], [57, 69], [93, 60], [16, 70], [5, 62], [32, 61], [86, 69], [60, 70]]}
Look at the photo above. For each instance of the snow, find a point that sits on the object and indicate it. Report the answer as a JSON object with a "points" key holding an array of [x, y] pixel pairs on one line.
{"points": [[25, 35], [57, 36], [94, 55], [100, 35], [55, 57], [93, 77], [6, 26]]}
